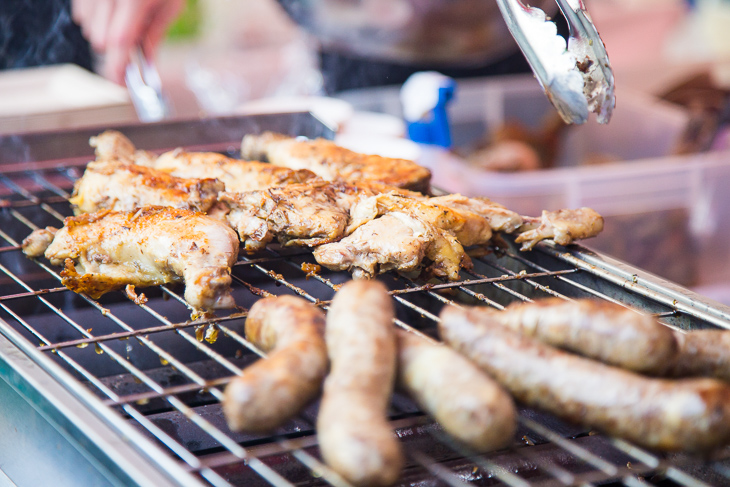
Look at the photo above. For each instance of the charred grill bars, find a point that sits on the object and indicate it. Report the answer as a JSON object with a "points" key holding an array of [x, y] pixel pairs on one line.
{"points": [[143, 374]]}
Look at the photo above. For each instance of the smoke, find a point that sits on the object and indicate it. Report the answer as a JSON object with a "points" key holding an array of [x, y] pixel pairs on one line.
{"points": [[40, 32]]}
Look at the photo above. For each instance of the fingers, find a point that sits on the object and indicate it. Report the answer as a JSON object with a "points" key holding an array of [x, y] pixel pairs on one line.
{"points": [[165, 14], [81, 12], [115, 27], [129, 23], [99, 25], [115, 64]]}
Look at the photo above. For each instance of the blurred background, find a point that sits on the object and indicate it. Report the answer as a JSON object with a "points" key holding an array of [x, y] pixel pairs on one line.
{"points": [[659, 172]]}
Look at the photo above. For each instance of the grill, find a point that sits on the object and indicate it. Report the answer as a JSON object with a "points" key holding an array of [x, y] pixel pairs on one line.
{"points": [[109, 392]]}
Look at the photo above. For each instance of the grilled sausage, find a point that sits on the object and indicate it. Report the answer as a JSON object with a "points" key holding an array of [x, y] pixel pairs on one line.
{"points": [[355, 438], [601, 330], [470, 405], [690, 414], [275, 388], [703, 353]]}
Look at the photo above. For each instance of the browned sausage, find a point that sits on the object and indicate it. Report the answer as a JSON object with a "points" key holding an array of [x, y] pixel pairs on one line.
{"points": [[355, 438], [703, 353], [601, 330], [690, 414], [470, 405], [275, 388]]}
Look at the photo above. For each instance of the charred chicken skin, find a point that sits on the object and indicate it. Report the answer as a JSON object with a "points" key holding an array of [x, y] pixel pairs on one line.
{"points": [[297, 214], [332, 162], [237, 175], [121, 186], [108, 250]]}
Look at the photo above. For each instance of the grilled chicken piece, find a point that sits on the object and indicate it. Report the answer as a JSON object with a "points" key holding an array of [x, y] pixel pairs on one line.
{"points": [[297, 214], [395, 241], [332, 162], [395, 232], [237, 175], [120, 186], [563, 226], [35, 244], [108, 250], [500, 218], [115, 146], [467, 226]]}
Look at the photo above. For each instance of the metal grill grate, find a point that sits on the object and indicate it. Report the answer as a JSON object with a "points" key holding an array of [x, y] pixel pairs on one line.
{"points": [[151, 365]]}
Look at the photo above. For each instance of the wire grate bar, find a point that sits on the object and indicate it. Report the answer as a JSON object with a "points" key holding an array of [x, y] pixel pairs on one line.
{"points": [[438, 470], [527, 279], [11, 297], [486, 280], [299, 454], [142, 397], [29, 203], [75, 365], [492, 468], [134, 333], [211, 430], [651, 461], [193, 341], [610, 470], [317, 467], [576, 285], [266, 260], [41, 180], [199, 421], [30, 197]]}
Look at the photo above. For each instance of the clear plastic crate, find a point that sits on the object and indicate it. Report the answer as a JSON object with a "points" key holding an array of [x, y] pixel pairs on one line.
{"points": [[667, 214]]}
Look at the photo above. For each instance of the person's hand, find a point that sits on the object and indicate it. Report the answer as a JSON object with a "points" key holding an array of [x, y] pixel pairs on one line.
{"points": [[115, 27]]}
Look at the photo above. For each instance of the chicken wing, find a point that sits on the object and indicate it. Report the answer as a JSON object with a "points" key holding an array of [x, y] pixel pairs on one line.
{"points": [[108, 250], [121, 186], [563, 226], [332, 162], [297, 214]]}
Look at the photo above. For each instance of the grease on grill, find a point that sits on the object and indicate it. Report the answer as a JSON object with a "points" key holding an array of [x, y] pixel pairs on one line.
{"points": [[133, 296], [311, 269], [208, 332]]}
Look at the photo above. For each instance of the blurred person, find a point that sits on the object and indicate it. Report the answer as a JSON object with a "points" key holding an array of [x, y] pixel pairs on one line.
{"points": [[362, 43], [44, 32], [40, 32]]}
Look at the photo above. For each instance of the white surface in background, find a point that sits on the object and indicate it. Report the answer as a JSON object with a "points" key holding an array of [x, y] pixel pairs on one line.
{"points": [[48, 89], [373, 123], [380, 145], [57, 97], [331, 111]]}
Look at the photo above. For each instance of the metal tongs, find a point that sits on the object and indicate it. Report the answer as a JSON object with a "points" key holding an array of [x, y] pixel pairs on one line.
{"points": [[577, 79], [145, 88]]}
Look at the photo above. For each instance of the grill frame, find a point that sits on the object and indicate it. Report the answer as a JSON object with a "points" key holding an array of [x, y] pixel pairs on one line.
{"points": [[95, 428]]}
